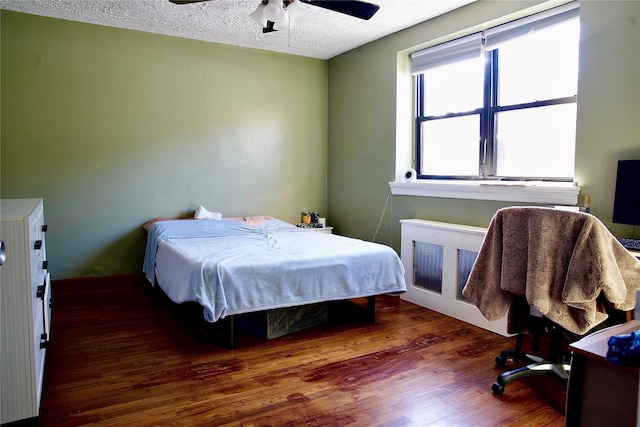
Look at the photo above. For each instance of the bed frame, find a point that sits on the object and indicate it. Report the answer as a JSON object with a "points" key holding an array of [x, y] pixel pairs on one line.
{"points": [[189, 270]]}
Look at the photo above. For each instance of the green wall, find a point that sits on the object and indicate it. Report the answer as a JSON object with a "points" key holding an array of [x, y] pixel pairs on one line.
{"points": [[364, 127], [114, 127]]}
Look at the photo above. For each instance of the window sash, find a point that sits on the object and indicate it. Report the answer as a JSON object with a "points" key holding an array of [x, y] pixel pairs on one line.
{"points": [[466, 48], [487, 146]]}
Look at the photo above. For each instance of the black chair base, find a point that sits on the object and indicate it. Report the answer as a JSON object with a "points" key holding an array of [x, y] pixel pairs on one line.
{"points": [[541, 367], [556, 364]]}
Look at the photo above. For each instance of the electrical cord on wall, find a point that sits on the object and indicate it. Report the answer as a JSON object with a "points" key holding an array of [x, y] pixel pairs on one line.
{"points": [[386, 202]]}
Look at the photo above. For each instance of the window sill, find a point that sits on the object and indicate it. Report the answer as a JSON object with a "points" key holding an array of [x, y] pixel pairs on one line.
{"points": [[557, 193]]}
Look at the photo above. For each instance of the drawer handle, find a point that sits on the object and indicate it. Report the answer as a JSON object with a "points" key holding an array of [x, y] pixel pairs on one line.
{"points": [[44, 341], [37, 245], [40, 290], [44, 228], [45, 265]]}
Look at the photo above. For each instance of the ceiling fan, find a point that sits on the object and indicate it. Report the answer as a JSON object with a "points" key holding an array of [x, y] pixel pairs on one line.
{"points": [[273, 12]]}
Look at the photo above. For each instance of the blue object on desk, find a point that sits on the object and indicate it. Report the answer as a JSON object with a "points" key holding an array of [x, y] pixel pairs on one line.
{"points": [[624, 349], [630, 244]]}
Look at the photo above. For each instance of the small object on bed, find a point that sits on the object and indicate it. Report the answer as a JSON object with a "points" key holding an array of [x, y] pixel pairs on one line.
{"points": [[203, 213]]}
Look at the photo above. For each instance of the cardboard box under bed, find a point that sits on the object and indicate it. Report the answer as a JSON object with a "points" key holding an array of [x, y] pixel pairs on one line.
{"points": [[278, 322]]}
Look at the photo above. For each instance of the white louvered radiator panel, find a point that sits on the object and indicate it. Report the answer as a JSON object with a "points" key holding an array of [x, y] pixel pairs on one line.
{"points": [[437, 258]]}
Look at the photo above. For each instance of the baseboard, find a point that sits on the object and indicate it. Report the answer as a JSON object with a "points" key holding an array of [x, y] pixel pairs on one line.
{"points": [[83, 285]]}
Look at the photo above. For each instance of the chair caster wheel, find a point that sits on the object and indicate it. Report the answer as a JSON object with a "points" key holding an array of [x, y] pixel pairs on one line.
{"points": [[501, 361], [497, 388]]}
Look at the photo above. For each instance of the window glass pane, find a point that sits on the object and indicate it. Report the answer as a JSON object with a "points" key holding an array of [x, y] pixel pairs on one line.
{"points": [[542, 65], [453, 88], [450, 146], [537, 142]]}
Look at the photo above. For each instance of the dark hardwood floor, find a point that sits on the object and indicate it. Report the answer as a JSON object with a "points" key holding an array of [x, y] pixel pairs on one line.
{"points": [[122, 354]]}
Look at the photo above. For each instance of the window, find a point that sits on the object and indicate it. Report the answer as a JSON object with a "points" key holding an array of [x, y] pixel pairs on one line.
{"points": [[501, 104]]}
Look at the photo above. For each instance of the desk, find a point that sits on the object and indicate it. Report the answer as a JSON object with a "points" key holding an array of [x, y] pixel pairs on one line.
{"points": [[601, 393]]}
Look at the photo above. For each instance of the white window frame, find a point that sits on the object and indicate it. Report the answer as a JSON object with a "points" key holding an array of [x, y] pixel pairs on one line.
{"points": [[545, 192]]}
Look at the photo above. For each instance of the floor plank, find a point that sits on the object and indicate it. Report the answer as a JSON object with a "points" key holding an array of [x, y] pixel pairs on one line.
{"points": [[125, 355]]}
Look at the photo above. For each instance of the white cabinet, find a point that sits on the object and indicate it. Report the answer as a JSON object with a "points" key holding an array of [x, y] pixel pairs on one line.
{"points": [[25, 298]]}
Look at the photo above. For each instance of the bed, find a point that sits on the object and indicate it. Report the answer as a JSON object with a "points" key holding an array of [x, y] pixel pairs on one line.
{"points": [[233, 267]]}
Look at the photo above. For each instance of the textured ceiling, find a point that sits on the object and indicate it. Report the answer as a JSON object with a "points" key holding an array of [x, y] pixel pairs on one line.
{"points": [[323, 34]]}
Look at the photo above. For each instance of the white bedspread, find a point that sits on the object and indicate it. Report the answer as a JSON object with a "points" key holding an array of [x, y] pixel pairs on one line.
{"points": [[230, 268]]}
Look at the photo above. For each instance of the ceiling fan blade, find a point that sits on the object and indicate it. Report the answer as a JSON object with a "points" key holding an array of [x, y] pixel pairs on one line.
{"points": [[186, 1], [358, 9]]}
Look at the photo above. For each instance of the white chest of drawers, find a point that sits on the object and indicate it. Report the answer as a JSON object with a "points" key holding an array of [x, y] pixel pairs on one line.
{"points": [[25, 308]]}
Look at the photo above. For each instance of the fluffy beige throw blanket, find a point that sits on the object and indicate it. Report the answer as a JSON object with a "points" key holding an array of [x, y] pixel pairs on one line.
{"points": [[566, 264]]}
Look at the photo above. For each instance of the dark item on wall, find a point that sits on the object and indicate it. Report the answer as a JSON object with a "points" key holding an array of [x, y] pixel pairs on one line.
{"points": [[626, 205]]}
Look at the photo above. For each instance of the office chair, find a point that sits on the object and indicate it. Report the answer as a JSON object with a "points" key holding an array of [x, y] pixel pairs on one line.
{"points": [[558, 360], [554, 272]]}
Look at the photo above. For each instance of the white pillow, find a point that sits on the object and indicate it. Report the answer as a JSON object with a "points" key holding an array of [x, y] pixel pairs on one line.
{"points": [[202, 213]]}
